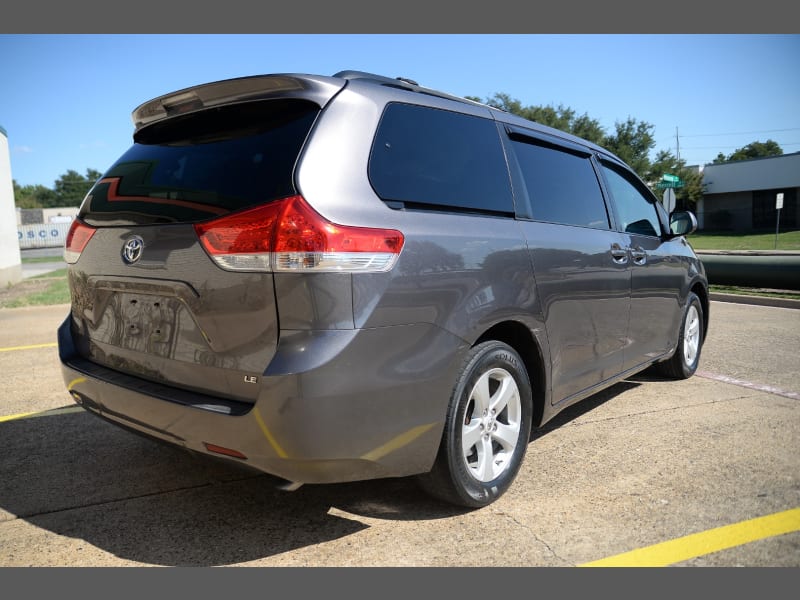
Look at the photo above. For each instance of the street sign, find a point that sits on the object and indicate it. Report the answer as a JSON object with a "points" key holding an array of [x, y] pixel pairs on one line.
{"points": [[669, 184], [668, 200], [668, 180], [779, 201]]}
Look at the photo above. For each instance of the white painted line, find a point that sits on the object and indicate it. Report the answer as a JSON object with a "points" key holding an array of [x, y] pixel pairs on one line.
{"points": [[749, 385]]}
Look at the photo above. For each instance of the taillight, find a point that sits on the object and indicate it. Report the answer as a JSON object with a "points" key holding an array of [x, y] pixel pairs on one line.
{"points": [[289, 235], [78, 236]]}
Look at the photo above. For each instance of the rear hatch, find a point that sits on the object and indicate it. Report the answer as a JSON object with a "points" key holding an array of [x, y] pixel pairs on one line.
{"points": [[147, 299]]}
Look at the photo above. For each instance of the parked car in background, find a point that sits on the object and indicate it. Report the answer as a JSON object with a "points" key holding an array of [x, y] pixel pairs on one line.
{"points": [[341, 278]]}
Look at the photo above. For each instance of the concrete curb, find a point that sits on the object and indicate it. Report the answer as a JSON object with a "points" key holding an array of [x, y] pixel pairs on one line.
{"points": [[36, 269], [755, 300]]}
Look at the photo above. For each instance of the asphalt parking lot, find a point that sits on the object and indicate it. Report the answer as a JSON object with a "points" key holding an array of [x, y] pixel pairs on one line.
{"points": [[703, 472]]}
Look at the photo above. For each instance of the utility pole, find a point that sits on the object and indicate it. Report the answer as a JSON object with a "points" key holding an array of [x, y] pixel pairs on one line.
{"points": [[677, 152]]}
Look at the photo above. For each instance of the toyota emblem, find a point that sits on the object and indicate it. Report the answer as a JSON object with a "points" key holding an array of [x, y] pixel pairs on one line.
{"points": [[132, 250]]}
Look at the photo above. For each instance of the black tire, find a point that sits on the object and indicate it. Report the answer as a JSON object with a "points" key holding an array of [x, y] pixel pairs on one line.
{"points": [[492, 375], [684, 361]]}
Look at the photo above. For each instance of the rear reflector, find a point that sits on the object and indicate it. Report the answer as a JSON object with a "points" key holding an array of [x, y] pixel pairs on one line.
{"points": [[289, 235], [222, 450], [78, 236]]}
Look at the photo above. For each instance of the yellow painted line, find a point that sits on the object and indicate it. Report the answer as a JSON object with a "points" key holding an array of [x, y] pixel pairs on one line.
{"points": [[397, 442], [270, 438], [44, 413], [18, 416], [75, 382], [31, 347], [705, 542]]}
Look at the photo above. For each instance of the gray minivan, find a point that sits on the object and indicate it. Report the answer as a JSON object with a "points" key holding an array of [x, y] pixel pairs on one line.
{"points": [[341, 278]]}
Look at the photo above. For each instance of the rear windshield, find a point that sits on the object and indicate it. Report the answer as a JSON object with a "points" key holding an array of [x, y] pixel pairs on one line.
{"points": [[200, 166]]}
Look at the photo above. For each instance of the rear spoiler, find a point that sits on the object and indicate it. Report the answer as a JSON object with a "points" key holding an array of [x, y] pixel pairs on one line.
{"points": [[231, 91]]}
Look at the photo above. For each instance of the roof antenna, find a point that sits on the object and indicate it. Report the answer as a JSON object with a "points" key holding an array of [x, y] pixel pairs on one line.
{"points": [[407, 80]]}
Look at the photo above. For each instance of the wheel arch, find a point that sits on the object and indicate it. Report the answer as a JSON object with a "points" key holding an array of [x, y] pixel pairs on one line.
{"points": [[521, 339], [702, 293]]}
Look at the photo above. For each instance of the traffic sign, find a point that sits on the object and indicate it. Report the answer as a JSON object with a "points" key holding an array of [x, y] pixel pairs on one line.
{"points": [[670, 178]]}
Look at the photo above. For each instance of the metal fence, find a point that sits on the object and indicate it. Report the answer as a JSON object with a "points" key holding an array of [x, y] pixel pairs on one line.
{"points": [[43, 235]]}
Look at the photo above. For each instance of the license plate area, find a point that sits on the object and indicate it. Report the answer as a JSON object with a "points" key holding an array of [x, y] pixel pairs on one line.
{"points": [[141, 323]]}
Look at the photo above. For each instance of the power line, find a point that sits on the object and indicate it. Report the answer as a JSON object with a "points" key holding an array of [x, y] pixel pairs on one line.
{"points": [[725, 147], [732, 133], [742, 132]]}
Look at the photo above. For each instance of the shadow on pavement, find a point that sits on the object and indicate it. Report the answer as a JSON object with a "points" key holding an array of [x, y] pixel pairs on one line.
{"points": [[584, 406], [77, 476]]}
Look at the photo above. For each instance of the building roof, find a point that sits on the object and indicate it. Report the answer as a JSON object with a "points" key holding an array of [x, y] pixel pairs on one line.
{"points": [[767, 173]]}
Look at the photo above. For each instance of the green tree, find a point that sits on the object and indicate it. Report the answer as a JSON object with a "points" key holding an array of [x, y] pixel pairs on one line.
{"points": [[686, 197], [69, 190], [588, 129], [665, 162], [692, 192], [71, 187], [751, 150], [34, 196], [632, 141], [560, 117]]}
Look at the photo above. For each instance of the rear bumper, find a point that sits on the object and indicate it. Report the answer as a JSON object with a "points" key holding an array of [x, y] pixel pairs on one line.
{"points": [[371, 403]]}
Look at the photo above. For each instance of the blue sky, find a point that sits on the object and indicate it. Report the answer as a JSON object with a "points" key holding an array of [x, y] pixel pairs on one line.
{"points": [[66, 100]]}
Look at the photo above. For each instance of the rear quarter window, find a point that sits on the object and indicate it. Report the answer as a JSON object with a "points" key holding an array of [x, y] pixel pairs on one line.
{"points": [[431, 158]]}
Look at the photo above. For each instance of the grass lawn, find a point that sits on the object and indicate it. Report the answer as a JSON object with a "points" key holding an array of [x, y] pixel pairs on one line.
{"points": [[47, 289], [730, 289], [789, 240], [40, 259]]}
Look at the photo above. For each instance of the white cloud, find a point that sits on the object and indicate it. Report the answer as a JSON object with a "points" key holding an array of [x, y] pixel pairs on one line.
{"points": [[22, 149]]}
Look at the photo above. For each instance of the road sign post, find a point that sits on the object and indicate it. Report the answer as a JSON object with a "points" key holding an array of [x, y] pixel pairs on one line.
{"points": [[778, 207], [668, 200]]}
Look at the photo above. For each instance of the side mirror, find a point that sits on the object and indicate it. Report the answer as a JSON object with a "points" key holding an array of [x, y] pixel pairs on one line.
{"points": [[682, 223]]}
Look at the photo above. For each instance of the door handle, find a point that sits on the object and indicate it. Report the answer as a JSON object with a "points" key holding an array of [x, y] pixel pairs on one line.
{"points": [[639, 255], [619, 254]]}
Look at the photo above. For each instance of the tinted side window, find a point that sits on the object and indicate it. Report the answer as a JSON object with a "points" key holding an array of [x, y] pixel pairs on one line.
{"points": [[636, 210], [562, 186], [429, 157]]}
